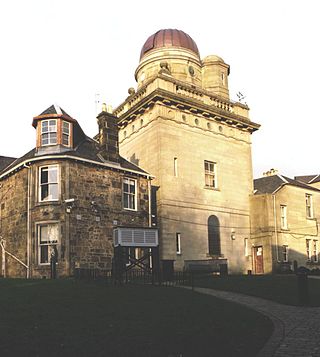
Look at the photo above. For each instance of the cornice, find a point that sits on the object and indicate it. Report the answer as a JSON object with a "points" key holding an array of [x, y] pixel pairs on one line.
{"points": [[192, 105]]}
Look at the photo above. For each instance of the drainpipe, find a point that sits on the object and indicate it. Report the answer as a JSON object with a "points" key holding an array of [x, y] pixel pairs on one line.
{"points": [[28, 220], [3, 249], [275, 226], [149, 194]]}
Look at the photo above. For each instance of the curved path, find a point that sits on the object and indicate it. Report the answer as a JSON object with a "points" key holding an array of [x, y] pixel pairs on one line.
{"points": [[296, 329]]}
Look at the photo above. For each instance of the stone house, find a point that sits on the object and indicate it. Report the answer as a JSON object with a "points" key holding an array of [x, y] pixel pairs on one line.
{"points": [[68, 194], [284, 224], [181, 126]]}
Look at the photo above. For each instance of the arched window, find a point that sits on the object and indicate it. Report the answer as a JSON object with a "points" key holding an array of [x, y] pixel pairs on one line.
{"points": [[214, 235]]}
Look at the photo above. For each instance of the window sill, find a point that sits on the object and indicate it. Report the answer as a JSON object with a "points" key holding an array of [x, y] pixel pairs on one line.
{"points": [[46, 203], [211, 188], [130, 210], [311, 218]]}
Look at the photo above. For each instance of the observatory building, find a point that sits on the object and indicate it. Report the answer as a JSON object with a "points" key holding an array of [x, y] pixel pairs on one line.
{"points": [[180, 125]]}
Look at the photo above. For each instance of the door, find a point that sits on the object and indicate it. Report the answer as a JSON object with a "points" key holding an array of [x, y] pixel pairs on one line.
{"points": [[258, 260]]}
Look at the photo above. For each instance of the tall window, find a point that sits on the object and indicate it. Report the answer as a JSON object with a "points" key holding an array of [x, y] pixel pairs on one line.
{"points": [[175, 166], [178, 243], [65, 133], [210, 172], [48, 183], [49, 132], [308, 249], [48, 240], [283, 213], [129, 194], [315, 251], [309, 208], [285, 253], [246, 247], [214, 236]]}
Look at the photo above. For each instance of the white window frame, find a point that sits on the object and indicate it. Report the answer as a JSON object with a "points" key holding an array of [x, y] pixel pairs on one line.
{"points": [[309, 206], [41, 185], [49, 132], [315, 251], [178, 243], [285, 253], [129, 194], [283, 217], [48, 243], [65, 133], [210, 174]]}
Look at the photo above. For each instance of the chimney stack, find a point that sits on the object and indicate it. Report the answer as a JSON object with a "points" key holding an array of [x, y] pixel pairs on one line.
{"points": [[108, 134]]}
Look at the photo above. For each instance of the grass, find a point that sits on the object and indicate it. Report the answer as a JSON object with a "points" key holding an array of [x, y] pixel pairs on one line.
{"points": [[73, 318], [280, 288]]}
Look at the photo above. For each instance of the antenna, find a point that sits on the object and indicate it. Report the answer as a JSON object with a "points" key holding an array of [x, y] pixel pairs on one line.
{"points": [[240, 96], [97, 103]]}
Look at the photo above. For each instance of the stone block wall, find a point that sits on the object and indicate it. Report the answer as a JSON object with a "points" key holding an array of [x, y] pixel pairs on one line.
{"points": [[85, 225]]}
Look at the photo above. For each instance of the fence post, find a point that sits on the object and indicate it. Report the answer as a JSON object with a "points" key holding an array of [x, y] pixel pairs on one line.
{"points": [[303, 288]]}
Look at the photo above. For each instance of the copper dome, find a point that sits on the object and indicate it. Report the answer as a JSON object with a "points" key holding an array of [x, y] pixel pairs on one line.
{"points": [[169, 38]]}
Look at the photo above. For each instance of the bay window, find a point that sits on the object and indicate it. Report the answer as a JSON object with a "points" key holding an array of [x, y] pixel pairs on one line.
{"points": [[48, 240], [48, 183]]}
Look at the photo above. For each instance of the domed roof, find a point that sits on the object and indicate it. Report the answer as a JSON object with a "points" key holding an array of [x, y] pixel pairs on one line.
{"points": [[212, 58], [169, 38]]}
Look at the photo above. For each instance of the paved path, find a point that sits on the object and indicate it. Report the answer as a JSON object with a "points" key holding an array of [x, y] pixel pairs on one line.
{"points": [[297, 329]]}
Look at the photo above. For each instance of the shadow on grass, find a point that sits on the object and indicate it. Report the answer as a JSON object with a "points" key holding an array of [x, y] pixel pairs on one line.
{"points": [[74, 318]]}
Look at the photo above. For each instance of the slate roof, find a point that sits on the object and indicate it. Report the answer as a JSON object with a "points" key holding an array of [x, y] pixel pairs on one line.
{"points": [[84, 148], [5, 161], [270, 184], [87, 149], [55, 109], [306, 178]]}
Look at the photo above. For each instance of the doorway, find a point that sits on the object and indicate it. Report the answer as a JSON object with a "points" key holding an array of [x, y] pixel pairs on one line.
{"points": [[258, 260]]}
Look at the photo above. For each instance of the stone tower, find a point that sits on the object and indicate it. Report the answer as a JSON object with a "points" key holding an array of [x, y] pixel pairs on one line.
{"points": [[181, 126]]}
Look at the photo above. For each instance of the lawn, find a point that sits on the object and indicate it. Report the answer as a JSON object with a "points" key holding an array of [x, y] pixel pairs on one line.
{"points": [[75, 318], [280, 288]]}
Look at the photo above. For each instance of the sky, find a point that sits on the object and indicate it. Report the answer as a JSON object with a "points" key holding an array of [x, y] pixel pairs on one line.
{"points": [[75, 53]]}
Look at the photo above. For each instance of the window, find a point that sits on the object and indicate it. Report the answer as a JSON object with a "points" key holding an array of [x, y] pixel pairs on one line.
{"points": [[48, 240], [315, 251], [308, 249], [65, 133], [48, 183], [210, 171], [285, 253], [246, 247], [49, 132], [283, 213], [129, 194], [178, 243], [175, 167], [309, 208], [214, 236]]}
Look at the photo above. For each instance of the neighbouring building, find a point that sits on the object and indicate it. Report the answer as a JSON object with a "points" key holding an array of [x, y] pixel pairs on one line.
{"points": [[284, 224], [312, 180], [181, 126], [68, 194]]}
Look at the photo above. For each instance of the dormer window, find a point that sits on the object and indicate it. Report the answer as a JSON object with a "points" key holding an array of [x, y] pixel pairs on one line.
{"points": [[65, 133], [49, 132]]}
